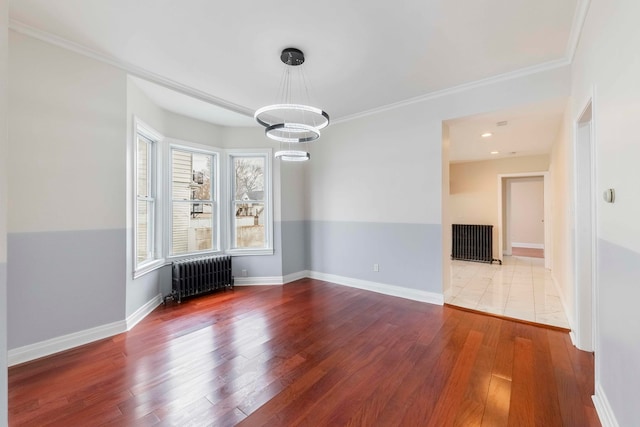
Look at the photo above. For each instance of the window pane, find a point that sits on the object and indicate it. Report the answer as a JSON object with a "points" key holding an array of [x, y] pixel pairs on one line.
{"points": [[249, 178], [191, 176], [249, 227], [201, 177], [181, 175], [142, 231], [143, 166], [192, 225]]}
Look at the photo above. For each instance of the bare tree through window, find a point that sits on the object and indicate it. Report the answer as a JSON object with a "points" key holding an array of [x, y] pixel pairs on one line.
{"points": [[249, 229], [249, 175]]}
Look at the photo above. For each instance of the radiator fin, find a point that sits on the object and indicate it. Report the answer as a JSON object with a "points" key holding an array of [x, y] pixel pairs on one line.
{"points": [[195, 276], [472, 242]]}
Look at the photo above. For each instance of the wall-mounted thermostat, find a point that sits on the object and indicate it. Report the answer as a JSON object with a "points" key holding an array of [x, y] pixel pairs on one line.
{"points": [[609, 195]]}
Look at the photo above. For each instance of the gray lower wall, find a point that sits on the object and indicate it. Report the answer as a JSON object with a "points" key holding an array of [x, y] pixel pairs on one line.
{"points": [[617, 320], [63, 282], [408, 255], [145, 288], [294, 250]]}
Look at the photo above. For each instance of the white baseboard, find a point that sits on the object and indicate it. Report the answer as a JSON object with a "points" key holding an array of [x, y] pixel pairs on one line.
{"points": [[295, 276], [76, 339], [527, 245], [563, 301], [603, 408], [381, 288], [258, 281], [572, 333], [65, 342], [143, 311]]}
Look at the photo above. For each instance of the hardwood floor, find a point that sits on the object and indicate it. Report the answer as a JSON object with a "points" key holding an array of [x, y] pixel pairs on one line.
{"points": [[311, 353]]}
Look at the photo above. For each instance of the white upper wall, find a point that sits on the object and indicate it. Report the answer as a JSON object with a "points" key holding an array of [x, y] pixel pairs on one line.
{"points": [[293, 190], [192, 130], [607, 67], [386, 167], [606, 64], [4, 135], [376, 169], [67, 150], [561, 250], [4, 52], [139, 104]]}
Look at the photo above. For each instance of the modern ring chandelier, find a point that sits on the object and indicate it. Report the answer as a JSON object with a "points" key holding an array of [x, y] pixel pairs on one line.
{"points": [[292, 122]]}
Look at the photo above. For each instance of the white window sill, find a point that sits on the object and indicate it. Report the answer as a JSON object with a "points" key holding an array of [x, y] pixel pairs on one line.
{"points": [[172, 258], [249, 252], [148, 268]]}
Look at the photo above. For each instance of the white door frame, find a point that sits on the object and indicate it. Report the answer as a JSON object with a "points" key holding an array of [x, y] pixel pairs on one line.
{"points": [[584, 334], [547, 212]]}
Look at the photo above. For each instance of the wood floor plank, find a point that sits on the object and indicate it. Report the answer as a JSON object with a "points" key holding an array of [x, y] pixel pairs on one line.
{"points": [[546, 401], [310, 353], [449, 401], [496, 411], [521, 409]]}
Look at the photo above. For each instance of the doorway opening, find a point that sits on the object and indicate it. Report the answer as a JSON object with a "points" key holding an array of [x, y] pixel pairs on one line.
{"points": [[518, 140], [524, 216]]}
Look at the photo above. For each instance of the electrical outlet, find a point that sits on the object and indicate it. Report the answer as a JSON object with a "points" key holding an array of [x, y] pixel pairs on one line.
{"points": [[244, 273], [376, 267]]}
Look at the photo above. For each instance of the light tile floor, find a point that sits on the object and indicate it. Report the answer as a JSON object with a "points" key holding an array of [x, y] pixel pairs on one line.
{"points": [[520, 288]]}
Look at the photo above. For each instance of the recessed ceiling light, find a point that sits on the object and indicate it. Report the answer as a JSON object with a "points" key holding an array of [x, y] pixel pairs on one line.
{"points": [[486, 134], [495, 152]]}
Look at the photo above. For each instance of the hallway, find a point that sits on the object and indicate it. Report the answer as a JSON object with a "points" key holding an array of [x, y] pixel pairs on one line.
{"points": [[521, 288]]}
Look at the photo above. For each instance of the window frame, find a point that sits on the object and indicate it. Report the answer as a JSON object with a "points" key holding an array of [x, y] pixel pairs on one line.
{"points": [[223, 175], [154, 258], [231, 154], [216, 201]]}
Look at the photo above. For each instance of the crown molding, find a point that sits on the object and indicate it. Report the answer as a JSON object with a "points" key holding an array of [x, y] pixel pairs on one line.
{"points": [[134, 70], [546, 66], [576, 29], [579, 19]]}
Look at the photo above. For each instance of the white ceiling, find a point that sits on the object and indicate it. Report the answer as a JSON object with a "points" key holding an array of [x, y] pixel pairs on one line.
{"points": [[529, 131], [361, 55]]}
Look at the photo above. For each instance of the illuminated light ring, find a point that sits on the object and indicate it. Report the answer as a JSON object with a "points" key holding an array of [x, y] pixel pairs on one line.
{"points": [[272, 132], [292, 155], [283, 108]]}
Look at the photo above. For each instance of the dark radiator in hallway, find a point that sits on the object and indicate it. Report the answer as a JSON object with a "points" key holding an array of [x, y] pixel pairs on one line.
{"points": [[471, 242]]}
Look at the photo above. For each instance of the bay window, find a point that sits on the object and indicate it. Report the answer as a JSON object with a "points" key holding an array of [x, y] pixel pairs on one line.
{"points": [[179, 190]]}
